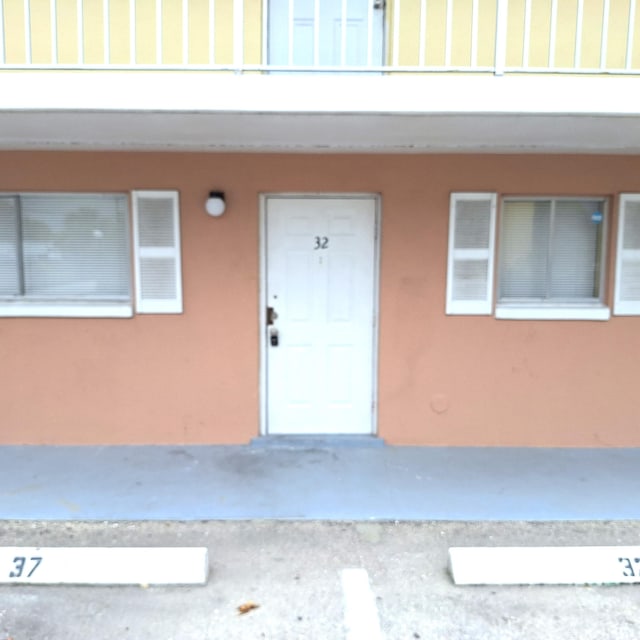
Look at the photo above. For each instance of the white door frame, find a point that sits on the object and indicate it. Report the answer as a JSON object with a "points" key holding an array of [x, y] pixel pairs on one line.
{"points": [[262, 311]]}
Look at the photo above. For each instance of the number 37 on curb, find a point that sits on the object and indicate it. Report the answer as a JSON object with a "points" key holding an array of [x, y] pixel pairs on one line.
{"points": [[627, 565], [24, 567]]}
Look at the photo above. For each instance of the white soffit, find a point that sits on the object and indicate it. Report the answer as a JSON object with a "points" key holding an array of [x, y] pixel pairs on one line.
{"points": [[201, 111]]}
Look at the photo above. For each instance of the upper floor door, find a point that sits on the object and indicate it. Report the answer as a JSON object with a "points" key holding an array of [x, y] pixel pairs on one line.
{"points": [[325, 33]]}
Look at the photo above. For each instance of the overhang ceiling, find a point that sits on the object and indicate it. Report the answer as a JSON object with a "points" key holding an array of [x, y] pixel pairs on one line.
{"points": [[103, 111]]}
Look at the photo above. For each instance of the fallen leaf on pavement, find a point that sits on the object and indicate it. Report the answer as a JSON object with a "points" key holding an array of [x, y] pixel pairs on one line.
{"points": [[246, 607]]}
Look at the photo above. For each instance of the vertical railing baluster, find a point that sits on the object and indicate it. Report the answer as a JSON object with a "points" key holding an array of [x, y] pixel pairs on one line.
{"points": [[238, 33], [577, 56], [27, 31], [396, 33], [447, 37], [630, 34], [212, 32], [553, 29], [53, 19], [474, 33], [185, 32], [290, 33], [106, 28], [158, 31], [502, 15], [132, 32], [316, 33], [343, 34], [80, 29], [526, 41], [422, 53], [605, 34]]}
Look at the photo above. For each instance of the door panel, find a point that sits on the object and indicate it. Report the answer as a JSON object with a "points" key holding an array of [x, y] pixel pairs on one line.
{"points": [[320, 269], [326, 22]]}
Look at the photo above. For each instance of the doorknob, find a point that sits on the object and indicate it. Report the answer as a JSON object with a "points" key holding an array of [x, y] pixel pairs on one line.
{"points": [[379, 4], [271, 316]]}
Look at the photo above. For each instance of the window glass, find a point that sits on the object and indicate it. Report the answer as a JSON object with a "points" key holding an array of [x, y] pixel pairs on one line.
{"points": [[65, 247], [551, 250]]}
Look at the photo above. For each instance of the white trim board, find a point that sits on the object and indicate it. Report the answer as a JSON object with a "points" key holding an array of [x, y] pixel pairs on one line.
{"points": [[544, 565], [104, 565]]}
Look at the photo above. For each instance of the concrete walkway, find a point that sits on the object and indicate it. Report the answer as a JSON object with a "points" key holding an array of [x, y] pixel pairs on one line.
{"points": [[330, 480]]}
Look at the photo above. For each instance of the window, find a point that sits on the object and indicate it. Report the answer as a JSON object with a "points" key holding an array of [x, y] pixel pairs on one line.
{"points": [[550, 257], [551, 252], [69, 254]]}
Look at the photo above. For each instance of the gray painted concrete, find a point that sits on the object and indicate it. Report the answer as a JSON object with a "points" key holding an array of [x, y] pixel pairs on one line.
{"points": [[331, 480]]}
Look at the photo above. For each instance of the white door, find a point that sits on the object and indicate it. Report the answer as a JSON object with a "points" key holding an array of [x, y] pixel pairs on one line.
{"points": [[325, 32], [319, 321]]}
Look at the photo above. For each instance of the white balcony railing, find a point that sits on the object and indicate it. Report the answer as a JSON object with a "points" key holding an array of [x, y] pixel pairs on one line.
{"points": [[490, 36]]}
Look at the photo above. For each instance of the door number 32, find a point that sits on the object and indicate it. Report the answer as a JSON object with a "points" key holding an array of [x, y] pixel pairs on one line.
{"points": [[321, 242]]}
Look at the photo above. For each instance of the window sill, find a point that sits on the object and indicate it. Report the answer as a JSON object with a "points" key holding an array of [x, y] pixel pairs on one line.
{"points": [[522, 312], [38, 310]]}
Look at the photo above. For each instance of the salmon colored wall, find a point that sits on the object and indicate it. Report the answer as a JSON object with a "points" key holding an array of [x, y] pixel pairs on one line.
{"points": [[194, 378]]}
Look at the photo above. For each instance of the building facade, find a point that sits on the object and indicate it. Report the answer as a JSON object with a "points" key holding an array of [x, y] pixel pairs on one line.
{"points": [[430, 234]]}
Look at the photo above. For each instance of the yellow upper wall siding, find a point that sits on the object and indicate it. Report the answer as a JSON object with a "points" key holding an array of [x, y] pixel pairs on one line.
{"points": [[14, 40], [433, 23], [119, 25], [41, 24], [617, 45], [74, 46], [486, 33], [564, 54]]}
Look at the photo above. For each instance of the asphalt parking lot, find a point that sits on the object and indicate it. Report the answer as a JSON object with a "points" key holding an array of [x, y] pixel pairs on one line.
{"points": [[294, 573]]}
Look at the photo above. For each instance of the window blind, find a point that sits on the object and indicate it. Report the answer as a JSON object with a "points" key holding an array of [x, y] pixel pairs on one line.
{"points": [[64, 247], [551, 250]]}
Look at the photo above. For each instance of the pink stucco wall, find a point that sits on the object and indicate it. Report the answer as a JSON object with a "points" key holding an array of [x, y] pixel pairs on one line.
{"points": [[194, 378]]}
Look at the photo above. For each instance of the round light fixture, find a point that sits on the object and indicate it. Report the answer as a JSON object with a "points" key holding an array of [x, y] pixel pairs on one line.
{"points": [[215, 204]]}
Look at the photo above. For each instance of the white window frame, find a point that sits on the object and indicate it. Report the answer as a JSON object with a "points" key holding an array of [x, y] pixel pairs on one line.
{"points": [[16, 307], [556, 310], [521, 310]]}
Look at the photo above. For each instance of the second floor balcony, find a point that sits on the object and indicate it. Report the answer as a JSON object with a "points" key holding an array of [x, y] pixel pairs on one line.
{"points": [[485, 36], [412, 71]]}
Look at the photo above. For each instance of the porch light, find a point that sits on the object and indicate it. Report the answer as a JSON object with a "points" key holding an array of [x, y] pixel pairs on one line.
{"points": [[215, 204]]}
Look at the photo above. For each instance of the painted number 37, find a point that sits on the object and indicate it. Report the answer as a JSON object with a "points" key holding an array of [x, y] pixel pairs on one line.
{"points": [[20, 566], [628, 567]]}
